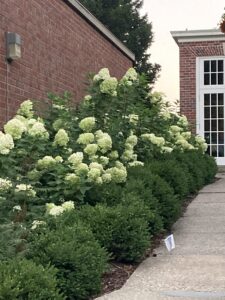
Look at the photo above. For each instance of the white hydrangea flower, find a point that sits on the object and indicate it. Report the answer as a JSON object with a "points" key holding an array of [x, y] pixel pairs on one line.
{"points": [[102, 75], [6, 143], [96, 165], [38, 130], [5, 184], [118, 175], [109, 86], [166, 149], [76, 158], [104, 160], [113, 155], [106, 177], [99, 134], [86, 138], [17, 208], [15, 128], [82, 169], [72, 178], [68, 205], [131, 74], [136, 163], [93, 174], [182, 121], [133, 119], [46, 162], [87, 124], [91, 149], [158, 141], [58, 159], [61, 138], [87, 98], [37, 223], [175, 129], [56, 210], [127, 155], [26, 109], [186, 135], [131, 140], [104, 142], [25, 188]]}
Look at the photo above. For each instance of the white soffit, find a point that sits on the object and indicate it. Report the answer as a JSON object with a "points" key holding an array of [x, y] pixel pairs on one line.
{"points": [[97, 24], [198, 35]]}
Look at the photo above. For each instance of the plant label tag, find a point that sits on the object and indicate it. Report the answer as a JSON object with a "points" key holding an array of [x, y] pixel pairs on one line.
{"points": [[170, 243]]}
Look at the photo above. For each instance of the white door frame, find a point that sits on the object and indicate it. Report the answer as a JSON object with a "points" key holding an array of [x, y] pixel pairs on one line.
{"points": [[202, 89]]}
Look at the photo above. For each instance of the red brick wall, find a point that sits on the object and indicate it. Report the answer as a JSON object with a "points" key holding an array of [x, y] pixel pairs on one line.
{"points": [[59, 49], [188, 53]]}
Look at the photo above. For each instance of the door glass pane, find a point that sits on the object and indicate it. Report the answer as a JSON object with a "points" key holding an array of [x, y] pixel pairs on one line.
{"points": [[213, 79], [221, 125], [206, 79], [214, 112], [213, 66], [220, 99], [214, 150], [221, 151], [207, 125], [207, 99], [220, 78], [214, 138], [220, 112], [213, 99], [207, 112], [220, 65], [207, 137], [221, 138], [213, 125], [206, 66]]}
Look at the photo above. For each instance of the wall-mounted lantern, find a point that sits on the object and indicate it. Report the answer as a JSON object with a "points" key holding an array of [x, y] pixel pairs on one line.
{"points": [[13, 46]]}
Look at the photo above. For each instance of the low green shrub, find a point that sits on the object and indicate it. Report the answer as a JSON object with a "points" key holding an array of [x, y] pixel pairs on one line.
{"points": [[76, 254], [25, 280], [122, 230]]}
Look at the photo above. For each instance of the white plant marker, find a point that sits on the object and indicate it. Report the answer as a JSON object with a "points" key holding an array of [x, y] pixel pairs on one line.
{"points": [[170, 243]]}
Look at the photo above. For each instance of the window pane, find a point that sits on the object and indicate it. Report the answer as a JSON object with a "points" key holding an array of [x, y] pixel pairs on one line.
{"points": [[220, 112], [214, 125], [213, 99], [220, 125], [221, 138], [221, 151], [213, 78], [207, 137], [214, 138], [206, 99], [220, 78], [213, 66], [220, 65], [206, 66], [220, 99], [207, 112], [214, 150], [214, 112], [206, 79], [207, 125]]}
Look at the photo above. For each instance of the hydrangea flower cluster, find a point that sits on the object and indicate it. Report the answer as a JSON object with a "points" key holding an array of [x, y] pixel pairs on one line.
{"points": [[103, 74], [56, 210], [38, 130], [6, 143], [61, 138], [37, 223], [109, 86], [200, 143], [130, 76], [47, 162], [155, 140], [5, 185], [130, 143], [87, 124], [133, 119], [26, 109], [104, 141], [25, 188], [15, 128]]}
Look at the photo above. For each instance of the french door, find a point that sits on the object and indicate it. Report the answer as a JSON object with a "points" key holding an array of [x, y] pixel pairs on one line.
{"points": [[210, 106]]}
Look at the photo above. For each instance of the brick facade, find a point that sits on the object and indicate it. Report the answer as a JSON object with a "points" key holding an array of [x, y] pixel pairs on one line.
{"points": [[59, 48], [189, 51]]}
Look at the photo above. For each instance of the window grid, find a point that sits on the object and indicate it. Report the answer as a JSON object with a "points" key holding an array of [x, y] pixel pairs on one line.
{"points": [[214, 123], [213, 72]]}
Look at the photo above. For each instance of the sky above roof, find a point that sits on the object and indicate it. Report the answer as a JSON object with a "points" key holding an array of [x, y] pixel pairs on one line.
{"points": [[175, 15]]}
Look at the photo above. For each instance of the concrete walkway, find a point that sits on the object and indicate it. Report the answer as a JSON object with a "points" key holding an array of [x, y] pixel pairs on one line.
{"points": [[196, 268]]}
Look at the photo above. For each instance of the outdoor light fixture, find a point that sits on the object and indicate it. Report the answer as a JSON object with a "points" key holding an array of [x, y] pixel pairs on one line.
{"points": [[13, 46]]}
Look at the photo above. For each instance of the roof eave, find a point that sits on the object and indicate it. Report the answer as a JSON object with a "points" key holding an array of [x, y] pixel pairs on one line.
{"points": [[197, 35], [97, 24]]}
